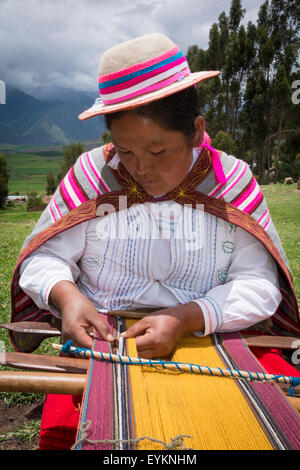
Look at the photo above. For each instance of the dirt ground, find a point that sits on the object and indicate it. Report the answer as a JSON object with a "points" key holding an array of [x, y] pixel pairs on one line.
{"points": [[13, 417]]}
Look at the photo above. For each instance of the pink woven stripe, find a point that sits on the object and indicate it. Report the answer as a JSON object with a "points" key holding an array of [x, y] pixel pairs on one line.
{"points": [[23, 305], [253, 204], [66, 196], [246, 193], [31, 314], [286, 325], [88, 177], [52, 213], [141, 66], [56, 207], [156, 86], [100, 399], [141, 78], [75, 188], [285, 299], [220, 186], [21, 299], [261, 218], [96, 173], [234, 183], [267, 223]]}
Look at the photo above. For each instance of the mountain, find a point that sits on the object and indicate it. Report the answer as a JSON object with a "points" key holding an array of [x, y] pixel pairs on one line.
{"points": [[27, 120], [61, 93]]}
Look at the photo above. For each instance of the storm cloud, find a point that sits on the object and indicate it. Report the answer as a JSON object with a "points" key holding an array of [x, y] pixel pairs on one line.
{"points": [[60, 42]]}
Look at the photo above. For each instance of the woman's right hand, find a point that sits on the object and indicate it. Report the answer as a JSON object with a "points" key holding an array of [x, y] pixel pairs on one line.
{"points": [[78, 315]]}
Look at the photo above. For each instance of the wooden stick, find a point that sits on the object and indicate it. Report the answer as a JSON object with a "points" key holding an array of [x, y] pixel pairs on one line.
{"points": [[44, 363], [266, 341], [141, 313], [204, 370], [39, 382], [40, 328]]}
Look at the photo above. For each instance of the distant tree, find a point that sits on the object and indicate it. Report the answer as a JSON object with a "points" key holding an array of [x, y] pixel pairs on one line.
{"points": [[197, 58], [51, 184], [4, 177], [224, 141], [250, 100], [106, 137], [35, 202], [282, 93], [71, 152], [236, 14]]}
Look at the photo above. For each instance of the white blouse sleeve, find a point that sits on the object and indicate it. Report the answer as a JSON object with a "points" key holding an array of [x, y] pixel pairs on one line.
{"points": [[251, 291], [55, 261]]}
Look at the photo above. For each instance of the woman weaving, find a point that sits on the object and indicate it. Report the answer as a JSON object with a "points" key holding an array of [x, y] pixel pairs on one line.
{"points": [[161, 164]]}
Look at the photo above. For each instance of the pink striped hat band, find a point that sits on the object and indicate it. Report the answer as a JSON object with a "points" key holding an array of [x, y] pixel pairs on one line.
{"points": [[146, 77]]}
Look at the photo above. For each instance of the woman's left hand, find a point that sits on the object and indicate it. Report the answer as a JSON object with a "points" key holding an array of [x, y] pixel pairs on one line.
{"points": [[158, 334]]}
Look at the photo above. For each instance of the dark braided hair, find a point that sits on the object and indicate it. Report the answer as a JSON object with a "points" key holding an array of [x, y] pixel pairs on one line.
{"points": [[175, 112]]}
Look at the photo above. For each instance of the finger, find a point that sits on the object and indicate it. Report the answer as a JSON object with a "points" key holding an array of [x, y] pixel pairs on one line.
{"points": [[147, 354], [144, 341], [139, 328], [81, 338], [102, 328]]}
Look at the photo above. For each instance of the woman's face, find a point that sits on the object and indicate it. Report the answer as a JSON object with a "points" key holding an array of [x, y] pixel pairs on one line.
{"points": [[158, 159]]}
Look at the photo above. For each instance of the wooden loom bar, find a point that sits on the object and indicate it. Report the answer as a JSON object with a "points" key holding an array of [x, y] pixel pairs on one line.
{"points": [[44, 363], [267, 341], [42, 382]]}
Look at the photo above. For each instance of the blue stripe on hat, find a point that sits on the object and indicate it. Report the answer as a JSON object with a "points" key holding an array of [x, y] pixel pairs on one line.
{"points": [[116, 81]]}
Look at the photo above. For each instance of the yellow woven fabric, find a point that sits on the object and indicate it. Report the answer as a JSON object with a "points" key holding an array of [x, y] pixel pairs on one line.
{"points": [[210, 409]]}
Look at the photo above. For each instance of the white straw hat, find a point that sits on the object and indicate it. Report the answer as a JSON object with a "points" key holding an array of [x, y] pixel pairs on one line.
{"points": [[139, 71]]}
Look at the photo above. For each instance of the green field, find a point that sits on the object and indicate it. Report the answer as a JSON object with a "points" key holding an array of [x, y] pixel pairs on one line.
{"points": [[28, 171], [29, 166], [284, 205]]}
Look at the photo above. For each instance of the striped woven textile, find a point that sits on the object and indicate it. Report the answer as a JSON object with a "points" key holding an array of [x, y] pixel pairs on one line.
{"points": [[142, 408], [92, 182]]}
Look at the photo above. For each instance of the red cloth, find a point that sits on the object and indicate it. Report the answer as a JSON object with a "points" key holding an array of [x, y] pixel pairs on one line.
{"points": [[274, 363], [59, 422], [61, 412]]}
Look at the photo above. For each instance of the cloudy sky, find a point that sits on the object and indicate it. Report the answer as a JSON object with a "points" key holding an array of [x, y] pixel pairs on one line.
{"points": [[59, 42]]}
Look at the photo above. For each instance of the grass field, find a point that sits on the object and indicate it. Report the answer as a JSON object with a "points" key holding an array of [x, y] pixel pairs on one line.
{"points": [[28, 171], [16, 224], [29, 166], [284, 205], [14, 228]]}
